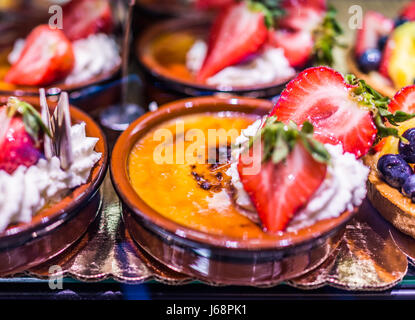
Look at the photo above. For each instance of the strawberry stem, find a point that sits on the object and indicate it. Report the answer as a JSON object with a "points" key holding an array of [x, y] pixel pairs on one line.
{"points": [[31, 117], [378, 105], [326, 39], [279, 139], [270, 8]]}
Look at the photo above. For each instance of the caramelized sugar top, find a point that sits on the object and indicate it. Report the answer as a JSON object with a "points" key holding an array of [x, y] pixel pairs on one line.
{"points": [[191, 186]]}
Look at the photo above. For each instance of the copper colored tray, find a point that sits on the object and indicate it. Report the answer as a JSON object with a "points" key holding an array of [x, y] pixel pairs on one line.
{"points": [[372, 255]]}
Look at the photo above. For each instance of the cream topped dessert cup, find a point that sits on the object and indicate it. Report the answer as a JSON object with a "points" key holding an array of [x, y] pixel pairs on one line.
{"points": [[58, 225], [79, 77], [221, 246], [166, 64]]}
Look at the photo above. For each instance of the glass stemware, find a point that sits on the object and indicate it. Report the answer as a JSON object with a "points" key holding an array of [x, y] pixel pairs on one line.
{"points": [[118, 116]]}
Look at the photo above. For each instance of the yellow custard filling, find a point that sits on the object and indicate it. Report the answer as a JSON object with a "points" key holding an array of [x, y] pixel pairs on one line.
{"points": [[195, 194]]}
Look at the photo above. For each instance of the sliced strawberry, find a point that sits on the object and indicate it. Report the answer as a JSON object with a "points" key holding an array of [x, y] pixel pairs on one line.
{"points": [[408, 11], [375, 25], [297, 46], [303, 15], [379, 146], [81, 18], [403, 100], [47, 57], [212, 4], [279, 190], [17, 146], [236, 33], [321, 96], [386, 57]]}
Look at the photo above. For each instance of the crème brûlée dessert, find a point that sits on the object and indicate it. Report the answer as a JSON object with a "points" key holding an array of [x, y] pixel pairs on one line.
{"points": [[384, 50], [216, 196], [246, 46], [80, 51], [43, 159], [392, 179], [307, 166]]}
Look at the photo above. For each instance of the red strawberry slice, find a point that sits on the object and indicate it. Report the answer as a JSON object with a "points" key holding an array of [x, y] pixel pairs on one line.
{"points": [[297, 46], [408, 11], [47, 57], [17, 147], [386, 56], [213, 4], [303, 14], [279, 190], [321, 96], [236, 33], [403, 100], [379, 146], [375, 25], [81, 18]]}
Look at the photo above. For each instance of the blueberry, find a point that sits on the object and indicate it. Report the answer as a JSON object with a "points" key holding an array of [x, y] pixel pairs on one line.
{"points": [[400, 21], [407, 150], [370, 60], [382, 42], [394, 169], [408, 188]]}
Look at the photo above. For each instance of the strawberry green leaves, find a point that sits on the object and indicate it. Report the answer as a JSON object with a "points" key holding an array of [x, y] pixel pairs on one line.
{"points": [[326, 39], [31, 118], [378, 105], [279, 139]]}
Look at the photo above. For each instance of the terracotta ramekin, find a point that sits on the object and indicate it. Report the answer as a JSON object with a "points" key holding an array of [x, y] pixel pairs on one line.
{"points": [[215, 258], [383, 88], [54, 229], [166, 79]]}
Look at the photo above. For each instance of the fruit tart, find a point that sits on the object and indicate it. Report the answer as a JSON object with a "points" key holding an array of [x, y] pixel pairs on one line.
{"points": [[80, 53], [391, 180], [384, 49], [249, 46]]}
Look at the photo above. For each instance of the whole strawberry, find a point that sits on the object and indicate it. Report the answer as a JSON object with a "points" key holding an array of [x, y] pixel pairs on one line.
{"points": [[21, 133]]}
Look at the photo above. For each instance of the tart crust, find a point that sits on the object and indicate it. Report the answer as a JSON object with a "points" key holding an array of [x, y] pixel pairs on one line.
{"points": [[390, 202], [378, 85]]}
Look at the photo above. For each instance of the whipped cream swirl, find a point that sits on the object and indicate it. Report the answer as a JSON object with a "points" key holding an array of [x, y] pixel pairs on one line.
{"points": [[27, 190], [268, 66]]}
